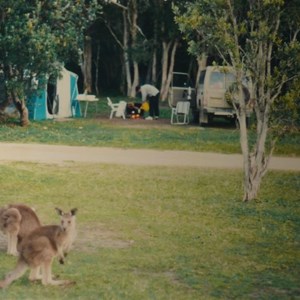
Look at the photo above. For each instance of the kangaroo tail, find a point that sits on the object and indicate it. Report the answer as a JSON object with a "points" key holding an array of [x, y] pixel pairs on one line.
{"points": [[18, 271]]}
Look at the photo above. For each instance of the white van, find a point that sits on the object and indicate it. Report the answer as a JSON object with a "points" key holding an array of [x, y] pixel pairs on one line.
{"points": [[211, 100]]}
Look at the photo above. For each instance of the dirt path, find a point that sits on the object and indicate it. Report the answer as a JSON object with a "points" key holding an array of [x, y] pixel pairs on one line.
{"points": [[50, 154]]}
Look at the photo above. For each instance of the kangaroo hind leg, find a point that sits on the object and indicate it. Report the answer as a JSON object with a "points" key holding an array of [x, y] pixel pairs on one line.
{"points": [[47, 275], [35, 274], [12, 240]]}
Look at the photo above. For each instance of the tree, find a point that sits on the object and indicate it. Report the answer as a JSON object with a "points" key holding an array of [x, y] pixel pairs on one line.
{"points": [[170, 38], [128, 38], [148, 39], [37, 38], [254, 37], [166, 38]]}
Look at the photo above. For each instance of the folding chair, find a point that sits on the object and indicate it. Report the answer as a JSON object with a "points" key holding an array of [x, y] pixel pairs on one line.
{"points": [[117, 109], [180, 113]]}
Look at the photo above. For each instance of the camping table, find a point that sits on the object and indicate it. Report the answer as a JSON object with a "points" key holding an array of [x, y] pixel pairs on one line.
{"points": [[87, 98]]}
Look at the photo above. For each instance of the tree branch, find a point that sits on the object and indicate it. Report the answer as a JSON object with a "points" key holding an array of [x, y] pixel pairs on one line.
{"points": [[116, 3], [113, 34]]}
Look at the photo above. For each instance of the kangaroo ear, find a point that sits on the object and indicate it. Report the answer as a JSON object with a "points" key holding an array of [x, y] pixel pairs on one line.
{"points": [[59, 211], [74, 211]]}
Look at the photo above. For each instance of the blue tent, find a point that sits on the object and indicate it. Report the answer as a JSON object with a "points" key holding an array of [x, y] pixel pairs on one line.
{"points": [[57, 100]]}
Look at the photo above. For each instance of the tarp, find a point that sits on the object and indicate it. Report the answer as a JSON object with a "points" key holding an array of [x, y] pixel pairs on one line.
{"points": [[57, 100]]}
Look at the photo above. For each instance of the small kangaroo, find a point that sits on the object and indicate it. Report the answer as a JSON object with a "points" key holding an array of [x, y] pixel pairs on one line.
{"points": [[38, 249], [17, 221]]}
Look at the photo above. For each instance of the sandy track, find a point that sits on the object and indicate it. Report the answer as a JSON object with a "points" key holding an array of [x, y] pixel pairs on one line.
{"points": [[50, 154]]}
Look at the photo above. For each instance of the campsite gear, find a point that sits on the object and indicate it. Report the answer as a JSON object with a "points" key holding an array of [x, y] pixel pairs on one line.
{"points": [[57, 100], [117, 109], [145, 106], [134, 109]]}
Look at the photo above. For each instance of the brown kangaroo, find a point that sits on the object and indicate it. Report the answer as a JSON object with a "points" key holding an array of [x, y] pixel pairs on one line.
{"points": [[38, 249], [17, 221]]}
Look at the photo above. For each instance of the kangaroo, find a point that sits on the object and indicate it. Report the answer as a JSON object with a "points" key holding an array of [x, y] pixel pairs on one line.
{"points": [[16, 221], [38, 249]]}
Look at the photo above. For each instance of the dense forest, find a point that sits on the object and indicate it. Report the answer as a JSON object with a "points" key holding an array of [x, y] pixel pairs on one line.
{"points": [[134, 42]]}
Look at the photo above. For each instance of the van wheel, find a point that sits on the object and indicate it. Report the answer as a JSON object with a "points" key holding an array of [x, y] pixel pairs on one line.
{"points": [[203, 118], [210, 118], [248, 122], [233, 121], [196, 117]]}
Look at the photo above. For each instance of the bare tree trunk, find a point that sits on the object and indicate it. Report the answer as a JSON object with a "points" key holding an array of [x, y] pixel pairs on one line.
{"points": [[4, 100], [96, 63], [258, 159], [22, 109], [86, 66], [155, 44], [154, 67], [202, 63], [133, 15], [167, 68], [125, 54], [12, 95], [135, 79], [164, 64]]}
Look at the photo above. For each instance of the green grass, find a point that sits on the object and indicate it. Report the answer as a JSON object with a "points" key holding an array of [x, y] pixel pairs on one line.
{"points": [[162, 232], [97, 130], [157, 232]]}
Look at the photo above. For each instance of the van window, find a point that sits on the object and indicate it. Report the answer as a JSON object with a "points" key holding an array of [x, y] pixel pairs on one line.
{"points": [[181, 80], [229, 80], [217, 80]]}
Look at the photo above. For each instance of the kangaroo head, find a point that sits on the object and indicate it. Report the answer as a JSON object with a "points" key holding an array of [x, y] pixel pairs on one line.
{"points": [[67, 220]]}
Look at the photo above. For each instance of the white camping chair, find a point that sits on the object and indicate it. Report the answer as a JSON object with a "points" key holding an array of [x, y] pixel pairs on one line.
{"points": [[180, 113], [117, 109]]}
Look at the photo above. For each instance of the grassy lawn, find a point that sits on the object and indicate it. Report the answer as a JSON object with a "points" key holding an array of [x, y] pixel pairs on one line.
{"points": [[162, 233], [157, 232], [98, 130]]}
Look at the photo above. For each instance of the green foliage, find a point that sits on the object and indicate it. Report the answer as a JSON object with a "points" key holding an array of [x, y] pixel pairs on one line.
{"points": [[286, 110], [38, 36]]}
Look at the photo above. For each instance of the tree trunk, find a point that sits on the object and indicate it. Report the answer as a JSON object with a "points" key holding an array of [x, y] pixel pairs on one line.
{"points": [[87, 64], [164, 64], [154, 67], [135, 79], [133, 15], [167, 68], [4, 99], [22, 109], [96, 63], [258, 160], [155, 46], [125, 54], [202, 62], [255, 162]]}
